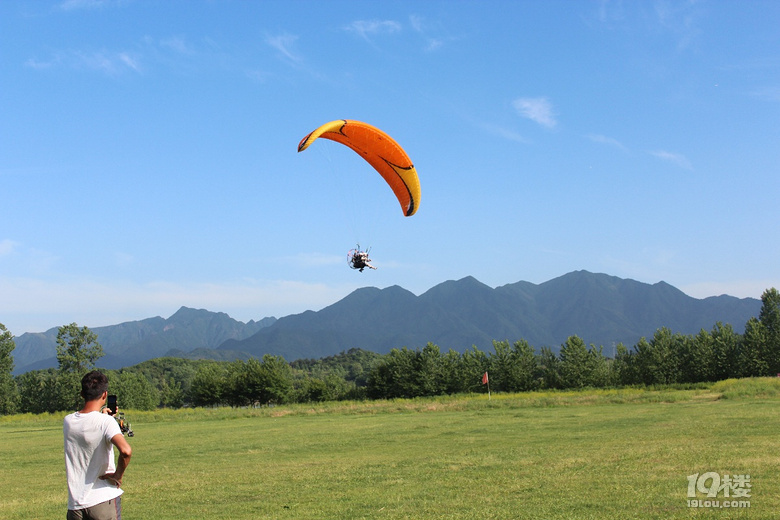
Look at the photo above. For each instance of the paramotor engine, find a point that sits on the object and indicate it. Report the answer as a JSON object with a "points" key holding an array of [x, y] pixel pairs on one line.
{"points": [[357, 259]]}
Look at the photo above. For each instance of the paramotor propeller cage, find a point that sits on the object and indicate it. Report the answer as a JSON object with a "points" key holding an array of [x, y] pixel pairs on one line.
{"points": [[356, 259]]}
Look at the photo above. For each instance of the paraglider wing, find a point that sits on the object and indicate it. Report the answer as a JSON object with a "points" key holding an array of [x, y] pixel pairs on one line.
{"points": [[380, 151]]}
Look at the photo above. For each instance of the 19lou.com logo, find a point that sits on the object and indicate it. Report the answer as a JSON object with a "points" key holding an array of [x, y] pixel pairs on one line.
{"points": [[726, 490]]}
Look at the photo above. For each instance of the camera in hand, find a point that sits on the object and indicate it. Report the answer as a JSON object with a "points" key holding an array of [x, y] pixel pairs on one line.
{"points": [[120, 418], [111, 404]]}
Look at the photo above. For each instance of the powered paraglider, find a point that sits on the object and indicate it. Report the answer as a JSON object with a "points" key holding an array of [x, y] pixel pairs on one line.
{"points": [[358, 259]]}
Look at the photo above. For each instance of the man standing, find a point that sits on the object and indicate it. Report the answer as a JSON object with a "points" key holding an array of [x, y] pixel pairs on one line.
{"points": [[90, 437]]}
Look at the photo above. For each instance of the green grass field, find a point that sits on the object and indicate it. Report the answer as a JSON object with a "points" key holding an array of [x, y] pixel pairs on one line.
{"points": [[597, 454]]}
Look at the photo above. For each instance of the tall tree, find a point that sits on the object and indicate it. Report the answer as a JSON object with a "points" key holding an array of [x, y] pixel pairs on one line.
{"points": [[254, 382], [455, 380], [548, 370], [276, 378], [574, 363], [697, 359], [474, 363], [512, 368], [395, 375], [500, 366], [623, 368], [208, 386], [77, 349], [524, 365], [429, 371], [38, 391], [770, 322], [8, 397], [752, 356], [760, 349], [134, 390], [77, 352], [726, 345], [598, 368], [658, 361]]}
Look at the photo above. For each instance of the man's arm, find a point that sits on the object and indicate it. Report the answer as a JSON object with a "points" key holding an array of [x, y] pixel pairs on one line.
{"points": [[125, 452]]}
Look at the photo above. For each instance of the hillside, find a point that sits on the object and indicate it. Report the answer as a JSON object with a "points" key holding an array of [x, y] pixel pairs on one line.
{"points": [[131, 342], [601, 309]]}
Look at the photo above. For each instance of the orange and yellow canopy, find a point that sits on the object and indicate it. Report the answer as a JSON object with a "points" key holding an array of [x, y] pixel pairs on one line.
{"points": [[380, 151]]}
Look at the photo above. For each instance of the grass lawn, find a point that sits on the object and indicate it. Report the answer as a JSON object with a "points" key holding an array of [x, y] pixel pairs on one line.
{"points": [[596, 454]]}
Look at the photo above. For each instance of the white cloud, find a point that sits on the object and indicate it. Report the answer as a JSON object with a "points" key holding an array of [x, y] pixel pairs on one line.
{"points": [[538, 110], [507, 134], [130, 61], [36, 64], [177, 44], [284, 44], [367, 28], [417, 23], [419, 26], [433, 44], [97, 60], [674, 158], [680, 19], [602, 139], [108, 62], [677, 20]]}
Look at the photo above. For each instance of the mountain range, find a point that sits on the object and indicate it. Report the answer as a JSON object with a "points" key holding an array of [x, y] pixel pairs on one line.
{"points": [[600, 309]]}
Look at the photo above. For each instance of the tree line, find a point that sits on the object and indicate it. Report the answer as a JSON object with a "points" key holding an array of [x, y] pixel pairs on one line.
{"points": [[666, 358]]}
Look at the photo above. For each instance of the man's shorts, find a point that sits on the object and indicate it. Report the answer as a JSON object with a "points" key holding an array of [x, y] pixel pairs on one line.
{"points": [[109, 510]]}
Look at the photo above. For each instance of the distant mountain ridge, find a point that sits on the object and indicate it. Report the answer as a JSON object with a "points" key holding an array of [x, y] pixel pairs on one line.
{"points": [[132, 342], [600, 309]]}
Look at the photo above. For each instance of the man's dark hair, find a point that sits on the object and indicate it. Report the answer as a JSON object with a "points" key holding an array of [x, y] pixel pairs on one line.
{"points": [[93, 384]]}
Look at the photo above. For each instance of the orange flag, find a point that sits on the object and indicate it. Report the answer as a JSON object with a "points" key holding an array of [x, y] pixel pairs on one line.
{"points": [[485, 379]]}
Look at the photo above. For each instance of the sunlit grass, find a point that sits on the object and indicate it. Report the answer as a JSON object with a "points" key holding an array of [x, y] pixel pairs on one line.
{"points": [[755, 387], [588, 454]]}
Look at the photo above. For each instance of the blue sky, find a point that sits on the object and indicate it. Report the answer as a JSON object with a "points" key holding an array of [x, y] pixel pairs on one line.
{"points": [[148, 150]]}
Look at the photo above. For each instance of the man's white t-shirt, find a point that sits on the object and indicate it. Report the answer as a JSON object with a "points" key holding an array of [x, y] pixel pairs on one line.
{"points": [[89, 454]]}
